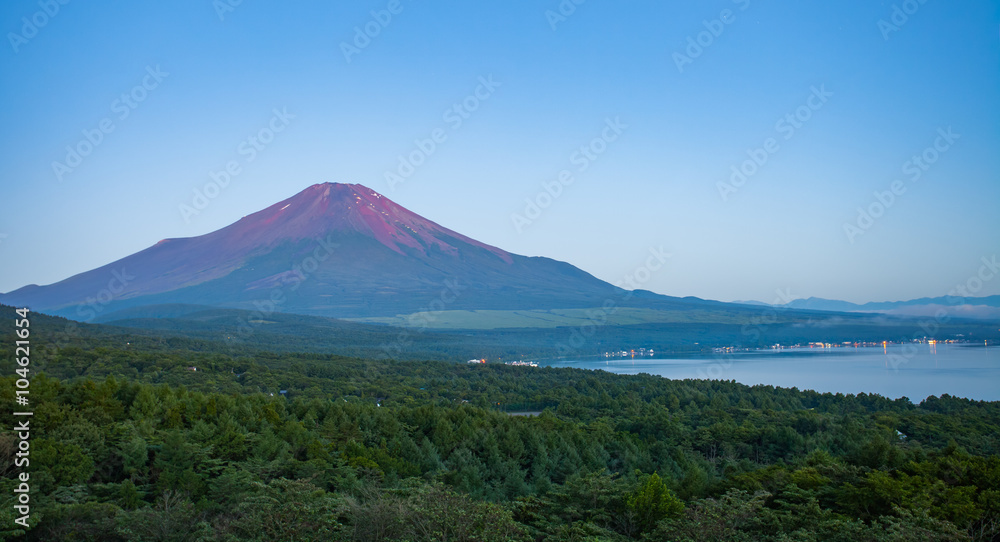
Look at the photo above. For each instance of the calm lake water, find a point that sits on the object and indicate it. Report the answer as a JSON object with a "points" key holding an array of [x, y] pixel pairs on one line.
{"points": [[915, 371]]}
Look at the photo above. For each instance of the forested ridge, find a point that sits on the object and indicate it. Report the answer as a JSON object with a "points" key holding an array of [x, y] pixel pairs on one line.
{"points": [[182, 440]]}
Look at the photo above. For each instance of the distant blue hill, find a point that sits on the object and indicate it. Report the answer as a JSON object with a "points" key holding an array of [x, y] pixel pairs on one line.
{"points": [[987, 307]]}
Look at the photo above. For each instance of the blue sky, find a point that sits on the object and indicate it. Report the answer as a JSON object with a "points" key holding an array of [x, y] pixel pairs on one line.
{"points": [[557, 82]]}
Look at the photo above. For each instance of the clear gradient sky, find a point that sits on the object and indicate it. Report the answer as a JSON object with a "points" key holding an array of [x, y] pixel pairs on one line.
{"points": [[886, 93]]}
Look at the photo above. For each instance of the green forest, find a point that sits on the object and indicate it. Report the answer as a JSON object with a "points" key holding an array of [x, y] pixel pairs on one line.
{"points": [[153, 439]]}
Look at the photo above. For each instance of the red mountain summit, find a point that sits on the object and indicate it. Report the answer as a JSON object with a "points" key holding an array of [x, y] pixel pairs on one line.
{"points": [[340, 250]]}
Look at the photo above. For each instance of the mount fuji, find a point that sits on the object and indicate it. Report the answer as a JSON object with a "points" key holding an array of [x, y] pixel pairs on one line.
{"points": [[336, 250]]}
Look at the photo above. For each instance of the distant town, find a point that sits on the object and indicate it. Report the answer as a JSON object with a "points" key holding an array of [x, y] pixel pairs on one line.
{"points": [[638, 352], [845, 344], [650, 352], [512, 363]]}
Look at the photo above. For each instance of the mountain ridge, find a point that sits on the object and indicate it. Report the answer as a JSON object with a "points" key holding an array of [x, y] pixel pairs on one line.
{"points": [[335, 250]]}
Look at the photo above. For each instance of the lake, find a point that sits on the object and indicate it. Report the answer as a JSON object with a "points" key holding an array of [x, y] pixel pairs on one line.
{"points": [[915, 371]]}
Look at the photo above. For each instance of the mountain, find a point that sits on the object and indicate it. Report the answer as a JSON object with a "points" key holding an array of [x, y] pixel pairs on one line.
{"points": [[335, 250], [981, 308]]}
